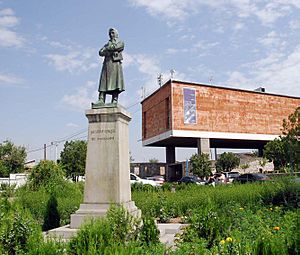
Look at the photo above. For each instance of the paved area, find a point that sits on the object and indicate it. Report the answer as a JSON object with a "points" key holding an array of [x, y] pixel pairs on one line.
{"points": [[168, 232]]}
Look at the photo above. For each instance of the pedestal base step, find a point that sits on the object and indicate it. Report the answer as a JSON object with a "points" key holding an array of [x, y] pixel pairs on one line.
{"points": [[90, 211], [167, 233]]}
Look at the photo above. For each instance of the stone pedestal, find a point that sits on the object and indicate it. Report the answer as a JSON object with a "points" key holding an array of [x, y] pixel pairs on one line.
{"points": [[107, 179]]}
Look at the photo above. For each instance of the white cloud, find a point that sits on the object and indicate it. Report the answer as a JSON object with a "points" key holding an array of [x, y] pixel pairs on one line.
{"points": [[56, 44], [146, 64], [72, 125], [238, 79], [278, 73], [128, 60], [204, 46], [9, 79], [149, 66], [267, 12], [272, 58], [82, 98], [172, 51], [239, 26], [8, 37], [272, 11], [294, 24], [272, 41], [170, 8], [8, 21], [74, 61], [201, 46], [7, 11]]}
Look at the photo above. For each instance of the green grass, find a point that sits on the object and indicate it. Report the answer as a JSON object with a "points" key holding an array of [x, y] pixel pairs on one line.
{"points": [[256, 219], [191, 197]]}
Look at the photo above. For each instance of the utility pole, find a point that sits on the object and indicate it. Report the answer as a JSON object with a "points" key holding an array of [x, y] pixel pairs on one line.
{"points": [[45, 151], [56, 144]]}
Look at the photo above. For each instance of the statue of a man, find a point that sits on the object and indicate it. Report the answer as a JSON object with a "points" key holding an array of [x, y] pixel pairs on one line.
{"points": [[111, 79]]}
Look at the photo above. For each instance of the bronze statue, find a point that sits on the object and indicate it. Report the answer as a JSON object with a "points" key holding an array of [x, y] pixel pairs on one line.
{"points": [[111, 79]]}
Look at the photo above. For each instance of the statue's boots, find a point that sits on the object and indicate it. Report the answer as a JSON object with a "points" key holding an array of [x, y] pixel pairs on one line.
{"points": [[100, 102], [114, 98]]}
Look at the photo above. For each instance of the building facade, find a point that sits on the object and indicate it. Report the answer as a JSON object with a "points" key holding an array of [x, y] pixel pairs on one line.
{"points": [[184, 114]]}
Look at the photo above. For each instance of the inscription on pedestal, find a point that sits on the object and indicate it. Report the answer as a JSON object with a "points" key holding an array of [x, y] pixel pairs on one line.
{"points": [[102, 135]]}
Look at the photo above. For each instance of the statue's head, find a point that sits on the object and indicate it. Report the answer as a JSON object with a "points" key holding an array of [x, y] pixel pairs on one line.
{"points": [[113, 33]]}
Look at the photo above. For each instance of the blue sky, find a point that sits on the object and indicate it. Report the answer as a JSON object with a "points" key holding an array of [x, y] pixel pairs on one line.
{"points": [[49, 63]]}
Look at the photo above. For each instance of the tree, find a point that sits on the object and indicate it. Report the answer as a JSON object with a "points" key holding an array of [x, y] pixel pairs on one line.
{"points": [[46, 173], [73, 158], [291, 126], [12, 158], [285, 151], [277, 152], [153, 160], [201, 165], [227, 162]]}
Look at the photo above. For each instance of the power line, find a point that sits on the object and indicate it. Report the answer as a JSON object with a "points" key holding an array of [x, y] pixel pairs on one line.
{"points": [[68, 137], [63, 139], [39, 149]]}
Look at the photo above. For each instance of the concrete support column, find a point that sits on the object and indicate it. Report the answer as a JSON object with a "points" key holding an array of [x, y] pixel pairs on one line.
{"points": [[170, 154], [260, 152], [203, 146]]}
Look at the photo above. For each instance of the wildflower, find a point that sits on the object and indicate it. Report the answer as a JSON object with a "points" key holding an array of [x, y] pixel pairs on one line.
{"points": [[276, 228], [222, 242], [271, 209], [241, 208], [229, 239]]}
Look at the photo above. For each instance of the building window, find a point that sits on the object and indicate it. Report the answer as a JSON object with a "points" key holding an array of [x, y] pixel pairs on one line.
{"points": [[145, 125], [167, 109], [189, 104]]}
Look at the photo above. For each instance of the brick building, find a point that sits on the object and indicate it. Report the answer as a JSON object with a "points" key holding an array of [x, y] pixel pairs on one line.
{"points": [[185, 114]]}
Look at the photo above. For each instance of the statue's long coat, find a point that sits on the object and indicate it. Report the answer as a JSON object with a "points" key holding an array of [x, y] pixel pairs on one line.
{"points": [[111, 79]]}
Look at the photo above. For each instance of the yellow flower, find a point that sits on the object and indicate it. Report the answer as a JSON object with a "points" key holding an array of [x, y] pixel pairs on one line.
{"points": [[276, 228], [222, 242], [271, 209], [229, 239], [241, 208]]}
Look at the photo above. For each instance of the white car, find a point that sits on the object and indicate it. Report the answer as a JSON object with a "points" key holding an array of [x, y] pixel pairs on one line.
{"points": [[135, 179]]}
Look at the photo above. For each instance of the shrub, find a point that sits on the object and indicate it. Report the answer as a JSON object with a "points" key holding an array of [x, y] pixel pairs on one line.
{"points": [[17, 227], [118, 233], [46, 247], [227, 162], [52, 217], [68, 195], [7, 190], [201, 165], [149, 233], [47, 174]]}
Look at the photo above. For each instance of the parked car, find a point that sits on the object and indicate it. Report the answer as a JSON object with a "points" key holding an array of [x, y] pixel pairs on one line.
{"points": [[191, 179], [230, 176], [158, 179], [244, 178], [135, 179]]}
